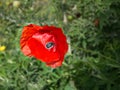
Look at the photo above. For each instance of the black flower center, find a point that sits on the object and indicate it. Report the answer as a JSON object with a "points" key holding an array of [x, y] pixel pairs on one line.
{"points": [[49, 45]]}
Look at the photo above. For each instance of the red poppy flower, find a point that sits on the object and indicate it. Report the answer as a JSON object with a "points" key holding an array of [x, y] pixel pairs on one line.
{"points": [[46, 43]]}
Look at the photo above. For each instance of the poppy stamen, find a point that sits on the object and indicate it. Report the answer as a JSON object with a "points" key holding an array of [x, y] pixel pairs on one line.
{"points": [[49, 45]]}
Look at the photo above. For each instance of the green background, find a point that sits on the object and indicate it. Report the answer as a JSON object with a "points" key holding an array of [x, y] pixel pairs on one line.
{"points": [[93, 30]]}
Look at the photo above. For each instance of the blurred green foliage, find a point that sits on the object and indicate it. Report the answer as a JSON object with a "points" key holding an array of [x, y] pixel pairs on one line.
{"points": [[93, 29]]}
